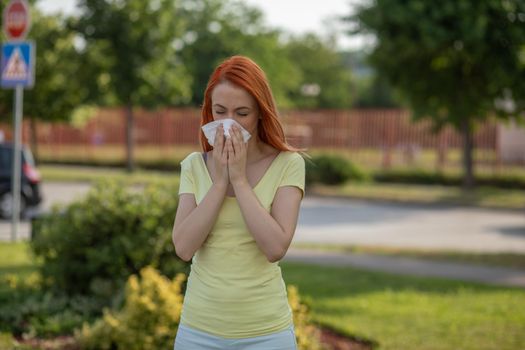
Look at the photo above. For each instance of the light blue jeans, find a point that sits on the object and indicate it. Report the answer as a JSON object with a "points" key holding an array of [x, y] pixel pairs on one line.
{"points": [[191, 339]]}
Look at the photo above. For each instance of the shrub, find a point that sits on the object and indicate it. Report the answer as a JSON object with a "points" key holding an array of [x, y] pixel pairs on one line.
{"points": [[26, 310], [427, 177], [93, 245], [148, 319], [151, 314], [308, 336], [332, 170]]}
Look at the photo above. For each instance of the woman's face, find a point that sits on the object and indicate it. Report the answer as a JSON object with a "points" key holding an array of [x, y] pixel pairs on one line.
{"points": [[231, 101]]}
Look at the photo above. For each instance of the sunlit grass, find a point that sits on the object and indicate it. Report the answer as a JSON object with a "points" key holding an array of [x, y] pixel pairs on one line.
{"points": [[488, 197], [395, 312], [16, 258], [94, 174], [511, 260], [409, 313], [368, 159]]}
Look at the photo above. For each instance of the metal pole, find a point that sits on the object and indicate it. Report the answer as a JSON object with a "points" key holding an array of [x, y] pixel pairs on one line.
{"points": [[19, 95]]}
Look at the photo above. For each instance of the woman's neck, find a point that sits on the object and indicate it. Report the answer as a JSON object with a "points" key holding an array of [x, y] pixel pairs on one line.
{"points": [[257, 149]]}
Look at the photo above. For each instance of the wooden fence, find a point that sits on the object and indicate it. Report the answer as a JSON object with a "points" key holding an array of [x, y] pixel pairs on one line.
{"points": [[386, 135]]}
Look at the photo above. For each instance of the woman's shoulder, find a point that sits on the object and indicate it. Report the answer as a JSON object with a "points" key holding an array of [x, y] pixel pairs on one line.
{"points": [[291, 156], [191, 158]]}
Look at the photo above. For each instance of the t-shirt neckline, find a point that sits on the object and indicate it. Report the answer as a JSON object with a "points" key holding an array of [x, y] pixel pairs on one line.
{"points": [[274, 160]]}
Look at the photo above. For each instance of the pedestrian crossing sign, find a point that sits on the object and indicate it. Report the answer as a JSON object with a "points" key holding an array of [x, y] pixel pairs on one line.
{"points": [[18, 61]]}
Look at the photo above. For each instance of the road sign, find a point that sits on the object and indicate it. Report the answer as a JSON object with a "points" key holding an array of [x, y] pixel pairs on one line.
{"points": [[18, 60], [16, 19]]}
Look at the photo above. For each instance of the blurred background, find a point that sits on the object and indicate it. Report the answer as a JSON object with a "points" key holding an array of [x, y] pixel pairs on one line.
{"points": [[412, 114]]}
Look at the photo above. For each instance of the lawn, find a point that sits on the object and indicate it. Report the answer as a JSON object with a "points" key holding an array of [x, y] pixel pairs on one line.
{"points": [[409, 313], [16, 259], [480, 197], [68, 173], [485, 197], [368, 159], [510, 260], [395, 312]]}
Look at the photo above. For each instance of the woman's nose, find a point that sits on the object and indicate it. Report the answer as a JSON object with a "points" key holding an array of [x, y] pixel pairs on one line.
{"points": [[224, 116]]}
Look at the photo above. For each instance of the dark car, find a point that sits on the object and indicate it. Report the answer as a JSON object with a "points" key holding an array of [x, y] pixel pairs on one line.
{"points": [[29, 185]]}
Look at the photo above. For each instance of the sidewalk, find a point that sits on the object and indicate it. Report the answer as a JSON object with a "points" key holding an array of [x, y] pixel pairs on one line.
{"points": [[410, 266]]}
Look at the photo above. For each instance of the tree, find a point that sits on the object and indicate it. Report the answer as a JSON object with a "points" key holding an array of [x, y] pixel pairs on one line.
{"points": [[54, 96], [457, 62], [325, 81], [136, 62], [217, 29]]}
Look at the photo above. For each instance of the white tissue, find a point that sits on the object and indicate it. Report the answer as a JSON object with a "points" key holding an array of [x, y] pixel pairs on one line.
{"points": [[210, 129]]}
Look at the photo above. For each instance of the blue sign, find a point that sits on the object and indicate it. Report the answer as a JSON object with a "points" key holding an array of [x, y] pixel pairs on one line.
{"points": [[18, 62]]}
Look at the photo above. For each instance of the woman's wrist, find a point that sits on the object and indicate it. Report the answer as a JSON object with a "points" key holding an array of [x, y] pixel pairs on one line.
{"points": [[220, 187], [240, 184]]}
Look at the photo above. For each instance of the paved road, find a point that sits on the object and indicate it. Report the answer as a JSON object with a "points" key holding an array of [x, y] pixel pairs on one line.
{"points": [[421, 226], [410, 266], [54, 194], [326, 220]]}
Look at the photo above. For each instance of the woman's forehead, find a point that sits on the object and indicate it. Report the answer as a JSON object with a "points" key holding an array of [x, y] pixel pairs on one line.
{"points": [[228, 93]]}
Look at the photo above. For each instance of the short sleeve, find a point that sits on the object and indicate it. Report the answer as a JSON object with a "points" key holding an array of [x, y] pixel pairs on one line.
{"points": [[295, 173], [186, 178]]}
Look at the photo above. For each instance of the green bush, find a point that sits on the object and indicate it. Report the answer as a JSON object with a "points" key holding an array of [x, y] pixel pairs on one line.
{"points": [[93, 245], [151, 314], [426, 177], [28, 311], [148, 320], [332, 170], [417, 176]]}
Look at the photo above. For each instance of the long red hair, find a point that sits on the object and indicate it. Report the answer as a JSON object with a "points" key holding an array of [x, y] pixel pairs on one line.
{"points": [[245, 73]]}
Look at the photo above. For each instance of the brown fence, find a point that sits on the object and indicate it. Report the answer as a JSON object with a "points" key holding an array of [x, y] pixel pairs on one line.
{"points": [[384, 137]]}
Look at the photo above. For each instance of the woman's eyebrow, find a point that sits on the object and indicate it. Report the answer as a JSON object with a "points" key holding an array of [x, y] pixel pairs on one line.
{"points": [[221, 106]]}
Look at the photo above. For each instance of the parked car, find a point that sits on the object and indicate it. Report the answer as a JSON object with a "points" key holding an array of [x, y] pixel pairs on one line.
{"points": [[30, 195]]}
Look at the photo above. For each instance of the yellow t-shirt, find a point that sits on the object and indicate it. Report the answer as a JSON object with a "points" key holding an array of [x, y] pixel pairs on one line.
{"points": [[233, 291]]}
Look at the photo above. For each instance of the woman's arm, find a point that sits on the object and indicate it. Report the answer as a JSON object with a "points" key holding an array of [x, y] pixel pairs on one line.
{"points": [[273, 232], [194, 222]]}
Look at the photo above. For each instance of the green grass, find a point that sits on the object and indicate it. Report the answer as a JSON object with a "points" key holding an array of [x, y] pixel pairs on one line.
{"points": [[93, 174], [371, 160], [511, 260], [409, 313], [481, 197], [367, 159], [16, 258], [395, 312], [111, 154], [486, 197]]}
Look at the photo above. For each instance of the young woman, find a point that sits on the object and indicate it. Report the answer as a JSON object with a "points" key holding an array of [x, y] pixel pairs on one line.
{"points": [[237, 214]]}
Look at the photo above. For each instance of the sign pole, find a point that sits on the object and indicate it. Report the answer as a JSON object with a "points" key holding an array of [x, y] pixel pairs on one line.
{"points": [[19, 96], [17, 71]]}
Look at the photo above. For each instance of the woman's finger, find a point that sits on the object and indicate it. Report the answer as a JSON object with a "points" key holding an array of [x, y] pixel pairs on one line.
{"points": [[236, 144], [219, 139], [231, 149]]}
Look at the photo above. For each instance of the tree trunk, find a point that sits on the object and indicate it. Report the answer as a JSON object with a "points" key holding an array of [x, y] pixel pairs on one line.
{"points": [[34, 139], [468, 147], [130, 165]]}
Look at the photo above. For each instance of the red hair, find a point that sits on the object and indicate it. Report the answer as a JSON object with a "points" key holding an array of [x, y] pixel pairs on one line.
{"points": [[245, 73]]}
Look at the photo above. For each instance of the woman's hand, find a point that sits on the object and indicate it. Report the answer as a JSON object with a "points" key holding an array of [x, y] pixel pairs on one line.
{"points": [[237, 150], [220, 159]]}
